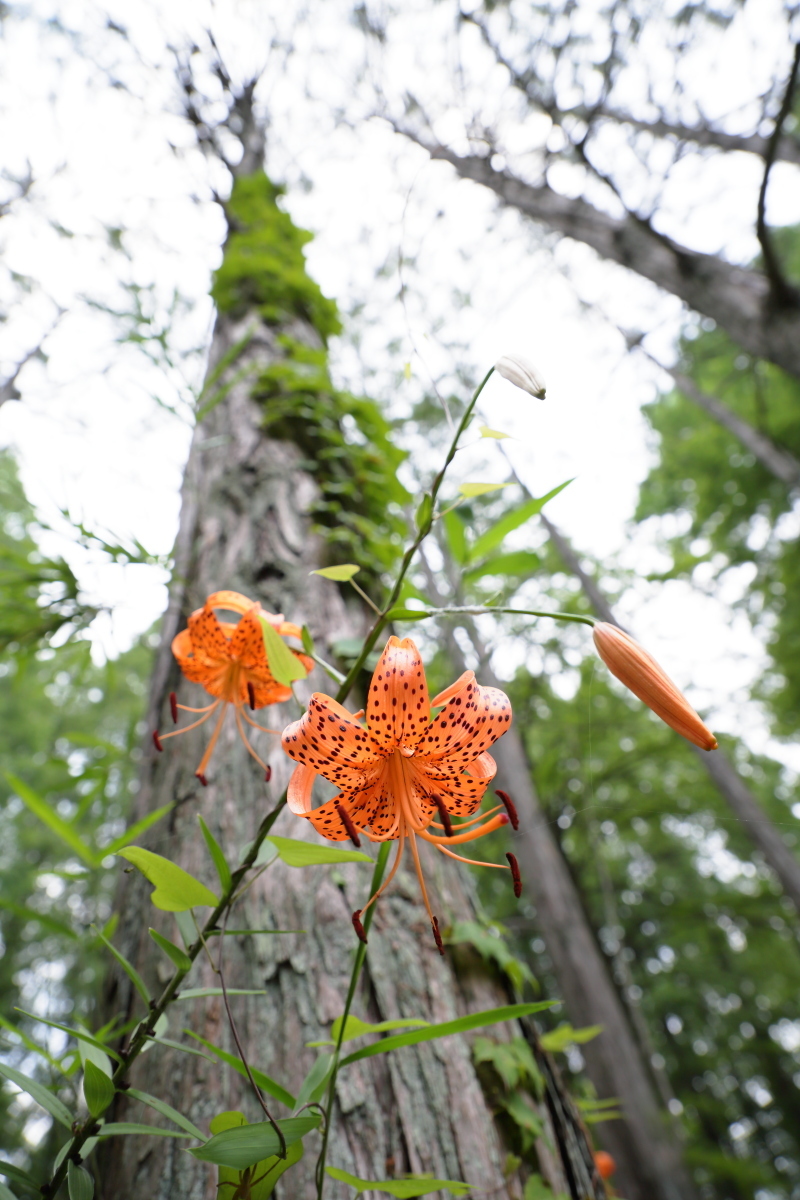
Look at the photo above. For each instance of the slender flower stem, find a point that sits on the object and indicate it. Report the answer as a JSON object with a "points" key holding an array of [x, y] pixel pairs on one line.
{"points": [[479, 610], [361, 954], [88, 1127], [423, 530]]}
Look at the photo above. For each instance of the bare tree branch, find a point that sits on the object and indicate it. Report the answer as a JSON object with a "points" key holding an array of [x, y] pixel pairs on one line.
{"points": [[783, 291]]}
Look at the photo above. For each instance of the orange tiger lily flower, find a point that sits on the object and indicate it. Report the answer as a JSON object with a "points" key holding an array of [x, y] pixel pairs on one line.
{"points": [[403, 769], [229, 659]]}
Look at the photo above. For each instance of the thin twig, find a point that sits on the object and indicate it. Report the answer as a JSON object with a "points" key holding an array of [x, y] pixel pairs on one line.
{"points": [[782, 290]]}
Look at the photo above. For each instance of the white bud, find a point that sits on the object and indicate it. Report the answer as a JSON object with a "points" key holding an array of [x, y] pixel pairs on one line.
{"points": [[521, 373]]}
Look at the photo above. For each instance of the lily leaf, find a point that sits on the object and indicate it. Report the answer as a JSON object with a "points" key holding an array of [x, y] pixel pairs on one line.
{"points": [[168, 1111], [356, 1028], [48, 816], [80, 1184], [127, 967], [495, 535], [489, 1016], [341, 574], [130, 835], [267, 1172], [98, 1089], [175, 889], [81, 1034], [486, 432], [199, 993], [412, 1185], [18, 1175], [481, 489], [42, 1095], [118, 1128], [247, 1144], [270, 1086], [284, 665], [180, 960], [304, 854], [215, 850]]}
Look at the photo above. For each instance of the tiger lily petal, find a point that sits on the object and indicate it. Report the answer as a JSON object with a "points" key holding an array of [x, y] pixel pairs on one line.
{"points": [[403, 769], [229, 660]]}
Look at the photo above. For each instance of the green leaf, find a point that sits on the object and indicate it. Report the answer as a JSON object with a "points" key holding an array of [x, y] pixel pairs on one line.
{"points": [[80, 1184], [513, 1061], [304, 854], [537, 1189], [341, 574], [565, 1035], [412, 1185], [486, 432], [180, 960], [307, 640], [135, 831], [29, 1043], [518, 562], [270, 1086], [127, 967], [98, 1090], [494, 536], [199, 993], [18, 1175], [266, 1172], [528, 1122], [595, 1111], [80, 1034], [481, 489], [215, 850], [424, 512], [175, 889], [52, 820], [355, 1028], [162, 1041], [167, 1110], [247, 1144], [490, 1016], [186, 927], [44, 919], [456, 536], [315, 1081], [488, 940], [284, 665], [407, 614], [122, 1128], [42, 1095], [6, 1193]]}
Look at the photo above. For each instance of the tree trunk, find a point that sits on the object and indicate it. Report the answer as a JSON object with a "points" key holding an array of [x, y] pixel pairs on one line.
{"points": [[755, 822], [245, 526]]}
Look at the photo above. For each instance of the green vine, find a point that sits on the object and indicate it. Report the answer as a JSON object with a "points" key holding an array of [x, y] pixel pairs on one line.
{"points": [[345, 439]]}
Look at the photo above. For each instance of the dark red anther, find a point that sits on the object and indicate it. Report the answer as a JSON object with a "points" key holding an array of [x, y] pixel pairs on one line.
{"points": [[359, 928], [344, 817], [251, 695], [157, 741], [202, 779], [510, 808], [515, 875], [444, 815], [437, 937], [173, 707], [268, 774]]}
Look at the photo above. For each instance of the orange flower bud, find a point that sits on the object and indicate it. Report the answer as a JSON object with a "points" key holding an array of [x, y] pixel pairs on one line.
{"points": [[634, 667], [605, 1164]]}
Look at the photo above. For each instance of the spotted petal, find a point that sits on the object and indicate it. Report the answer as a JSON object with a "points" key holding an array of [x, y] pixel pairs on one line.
{"points": [[469, 723], [398, 707], [328, 739], [360, 809], [460, 792]]}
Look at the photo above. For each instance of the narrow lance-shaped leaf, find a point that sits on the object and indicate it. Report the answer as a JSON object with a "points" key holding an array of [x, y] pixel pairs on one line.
{"points": [[42, 1095], [565, 1035], [355, 1028], [166, 1110], [266, 1171], [127, 967], [405, 1189], [486, 432], [341, 574], [81, 1034], [18, 1175], [181, 960], [98, 1090], [41, 809], [283, 664], [80, 1184], [125, 1128], [135, 831], [215, 850], [268, 1085], [304, 854], [492, 538], [175, 889], [490, 1016], [481, 489], [247, 1144]]}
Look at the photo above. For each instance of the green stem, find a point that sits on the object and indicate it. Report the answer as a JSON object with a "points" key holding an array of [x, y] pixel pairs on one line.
{"points": [[422, 533], [361, 954], [88, 1127], [478, 610]]}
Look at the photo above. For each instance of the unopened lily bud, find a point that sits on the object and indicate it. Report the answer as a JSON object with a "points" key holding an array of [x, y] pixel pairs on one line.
{"points": [[522, 374], [634, 667]]}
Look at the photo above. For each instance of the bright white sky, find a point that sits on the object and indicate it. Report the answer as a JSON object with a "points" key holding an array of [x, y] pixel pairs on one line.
{"points": [[88, 432]]}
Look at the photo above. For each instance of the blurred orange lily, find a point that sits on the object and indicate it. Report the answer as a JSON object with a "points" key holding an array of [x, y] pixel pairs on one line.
{"points": [[229, 659], [402, 769]]}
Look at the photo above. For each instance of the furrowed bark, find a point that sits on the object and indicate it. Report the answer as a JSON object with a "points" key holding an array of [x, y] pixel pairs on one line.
{"points": [[739, 299], [755, 822]]}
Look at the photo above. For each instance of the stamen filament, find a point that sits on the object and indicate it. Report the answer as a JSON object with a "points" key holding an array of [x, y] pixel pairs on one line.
{"points": [[401, 842], [204, 761], [186, 708], [255, 724], [473, 820], [194, 724], [473, 862], [249, 748], [495, 823], [420, 876]]}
